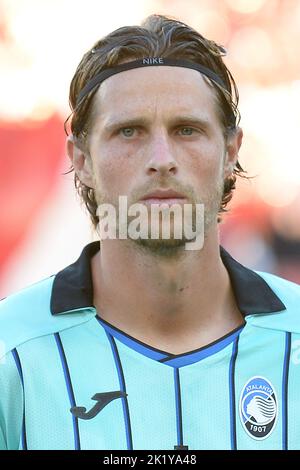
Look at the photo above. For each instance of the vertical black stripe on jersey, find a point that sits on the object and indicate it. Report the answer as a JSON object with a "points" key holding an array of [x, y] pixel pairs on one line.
{"points": [[232, 400], [123, 389], [69, 388], [285, 381], [178, 410], [19, 367]]}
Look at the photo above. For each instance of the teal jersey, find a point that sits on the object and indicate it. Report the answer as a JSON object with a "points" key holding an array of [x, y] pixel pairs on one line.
{"points": [[70, 380]]}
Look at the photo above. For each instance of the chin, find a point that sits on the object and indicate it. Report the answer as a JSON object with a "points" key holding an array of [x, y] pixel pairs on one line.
{"points": [[162, 247]]}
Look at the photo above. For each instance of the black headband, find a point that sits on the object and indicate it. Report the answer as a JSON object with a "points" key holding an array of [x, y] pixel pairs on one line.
{"points": [[149, 61]]}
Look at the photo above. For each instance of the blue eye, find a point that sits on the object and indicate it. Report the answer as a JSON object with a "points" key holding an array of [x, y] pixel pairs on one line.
{"points": [[189, 128], [126, 134]]}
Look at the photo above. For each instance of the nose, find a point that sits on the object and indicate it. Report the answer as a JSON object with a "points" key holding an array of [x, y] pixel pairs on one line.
{"points": [[161, 158]]}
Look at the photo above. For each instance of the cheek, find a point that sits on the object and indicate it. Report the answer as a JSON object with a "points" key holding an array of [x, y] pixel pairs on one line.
{"points": [[207, 165], [113, 174]]}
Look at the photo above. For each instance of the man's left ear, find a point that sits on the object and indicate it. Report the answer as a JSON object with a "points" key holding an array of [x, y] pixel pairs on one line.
{"points": [[234, 142]]}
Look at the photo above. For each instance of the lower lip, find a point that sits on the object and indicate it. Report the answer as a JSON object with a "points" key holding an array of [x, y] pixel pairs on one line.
{"points": [[169, 201]]}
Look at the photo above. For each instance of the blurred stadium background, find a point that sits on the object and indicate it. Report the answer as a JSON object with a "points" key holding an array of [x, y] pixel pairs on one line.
{"points": [[43, 227]]}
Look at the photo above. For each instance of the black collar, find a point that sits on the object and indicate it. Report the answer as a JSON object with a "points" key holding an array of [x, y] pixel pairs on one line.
{"points": [[73, 289]]}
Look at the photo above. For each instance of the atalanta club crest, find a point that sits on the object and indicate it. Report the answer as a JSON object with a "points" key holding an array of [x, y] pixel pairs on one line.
{"points": [[258, 408]]}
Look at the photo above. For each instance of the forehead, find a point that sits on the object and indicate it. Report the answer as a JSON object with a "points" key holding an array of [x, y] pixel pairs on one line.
{"points": [[160, 89]]}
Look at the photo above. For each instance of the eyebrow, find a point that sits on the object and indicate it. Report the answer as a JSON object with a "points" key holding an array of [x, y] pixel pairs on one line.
{"points": [[112, 125]]}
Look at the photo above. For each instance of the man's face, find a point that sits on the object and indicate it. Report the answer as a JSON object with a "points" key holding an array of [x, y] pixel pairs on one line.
{"points": [[160, 148]]}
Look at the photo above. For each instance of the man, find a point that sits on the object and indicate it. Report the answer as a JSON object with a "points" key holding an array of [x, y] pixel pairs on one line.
{"points": [[146, 343]]}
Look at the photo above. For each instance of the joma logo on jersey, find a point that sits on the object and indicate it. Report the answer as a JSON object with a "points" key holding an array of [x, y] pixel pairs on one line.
{"points": [[258, 408]]}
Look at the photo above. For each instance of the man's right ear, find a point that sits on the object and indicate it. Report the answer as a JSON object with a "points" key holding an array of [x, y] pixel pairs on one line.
{"points": [[81, 162]]}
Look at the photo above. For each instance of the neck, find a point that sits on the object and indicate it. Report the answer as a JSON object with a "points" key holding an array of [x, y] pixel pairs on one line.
{"points": [[168, 303]]}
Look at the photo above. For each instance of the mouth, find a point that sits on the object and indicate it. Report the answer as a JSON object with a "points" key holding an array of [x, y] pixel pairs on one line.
{"points": [[166, 196]]}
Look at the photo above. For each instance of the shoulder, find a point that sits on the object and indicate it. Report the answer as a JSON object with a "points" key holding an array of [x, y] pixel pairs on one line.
{"points": [[289, 293], [26, 315]]}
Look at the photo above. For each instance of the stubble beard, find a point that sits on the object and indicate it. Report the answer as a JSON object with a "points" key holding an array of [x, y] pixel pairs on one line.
{"points": [[173, 247]]}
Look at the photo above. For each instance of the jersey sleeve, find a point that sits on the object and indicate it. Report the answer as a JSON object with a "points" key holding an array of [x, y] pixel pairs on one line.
{"points": [[11, 404]]}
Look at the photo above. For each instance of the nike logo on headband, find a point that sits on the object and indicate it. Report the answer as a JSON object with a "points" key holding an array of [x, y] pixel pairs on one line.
{"points": [[146, 62]]}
